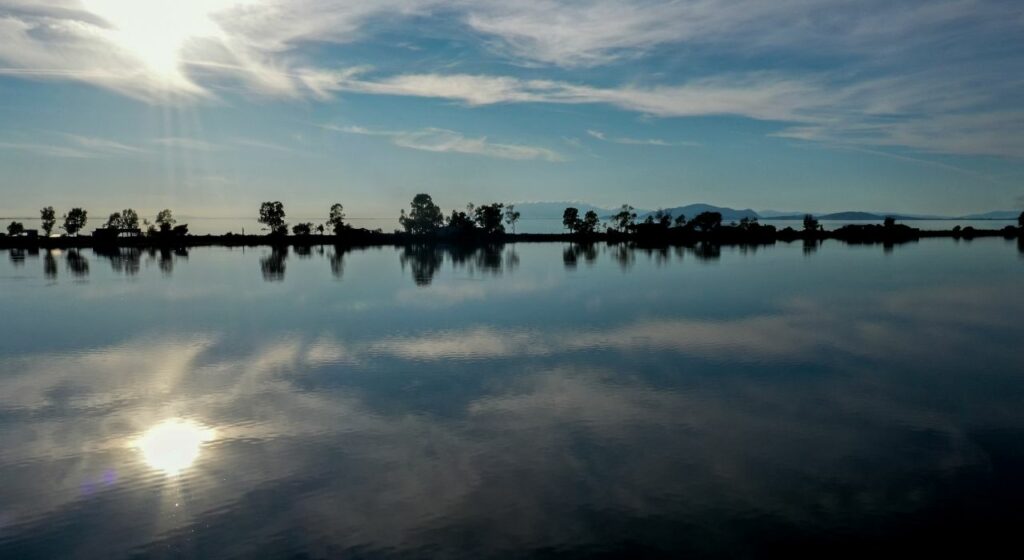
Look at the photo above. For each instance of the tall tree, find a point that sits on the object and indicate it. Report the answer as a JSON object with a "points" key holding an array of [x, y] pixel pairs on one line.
{"points": [[49, 218], [129, 219], [114, 221], [336, 219], [460, 221], [165, 219], [424, 216], [272, 215], [15, 228], [488, 217], [625, 217], [74, 221], [589, 222], [811, 223], [571, 219], [512, 216]]}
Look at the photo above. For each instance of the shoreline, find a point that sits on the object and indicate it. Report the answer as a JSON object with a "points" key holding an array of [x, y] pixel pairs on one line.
{"points": [[660, 236]]}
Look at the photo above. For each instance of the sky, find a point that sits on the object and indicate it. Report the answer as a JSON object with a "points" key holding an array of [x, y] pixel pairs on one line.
{"points": [[211, 106]]}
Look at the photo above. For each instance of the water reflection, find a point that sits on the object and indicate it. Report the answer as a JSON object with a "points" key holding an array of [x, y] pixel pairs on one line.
{"points": [[425, 261], [273, 265], [573, 252], [77, 264], [123, 260], [50, 263], [173, 445], [756, 410], [17, 256], [336, 258]]}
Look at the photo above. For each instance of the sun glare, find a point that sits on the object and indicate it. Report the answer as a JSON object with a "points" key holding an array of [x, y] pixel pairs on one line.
{"points": [[174, 445], [156, 31]]}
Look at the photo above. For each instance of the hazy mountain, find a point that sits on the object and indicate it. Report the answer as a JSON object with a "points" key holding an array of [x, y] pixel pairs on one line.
{"points": [[764, 214], [854, 216], [994, 215], [691, 210], [554, 210]]}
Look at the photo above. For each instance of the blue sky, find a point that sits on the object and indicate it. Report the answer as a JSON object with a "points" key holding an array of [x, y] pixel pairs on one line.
{"points": [[211, 106]]}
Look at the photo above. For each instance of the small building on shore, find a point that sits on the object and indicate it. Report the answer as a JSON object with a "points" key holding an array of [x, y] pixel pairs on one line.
{"points": [[110, 233]]}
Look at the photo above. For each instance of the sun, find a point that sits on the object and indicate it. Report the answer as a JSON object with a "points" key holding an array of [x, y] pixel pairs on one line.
{"points": [[173, 445], [155, 32]]}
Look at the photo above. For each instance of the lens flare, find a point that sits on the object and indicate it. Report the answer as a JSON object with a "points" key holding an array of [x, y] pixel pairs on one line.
{"points": [[174, 445]]}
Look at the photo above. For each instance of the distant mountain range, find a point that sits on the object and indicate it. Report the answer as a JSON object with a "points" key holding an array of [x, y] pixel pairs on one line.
{"points": [[553, 210]]}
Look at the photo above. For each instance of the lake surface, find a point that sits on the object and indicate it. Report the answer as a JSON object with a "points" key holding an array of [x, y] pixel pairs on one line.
{"points": [[531, 400]]}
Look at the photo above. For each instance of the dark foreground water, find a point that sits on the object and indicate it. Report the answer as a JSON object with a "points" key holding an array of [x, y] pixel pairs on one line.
{"points": [[526, 401]]}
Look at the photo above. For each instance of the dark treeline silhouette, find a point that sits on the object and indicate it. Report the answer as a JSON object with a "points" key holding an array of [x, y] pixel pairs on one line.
{"points": [[426, 223]]}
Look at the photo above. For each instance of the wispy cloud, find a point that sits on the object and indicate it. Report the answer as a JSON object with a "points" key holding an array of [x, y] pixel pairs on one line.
{"points": [[263, 145], [636, 141], [45, 150], [102, 145], [893, 78], [184, 143], [65, 145], [442, 140], [760, 96]]}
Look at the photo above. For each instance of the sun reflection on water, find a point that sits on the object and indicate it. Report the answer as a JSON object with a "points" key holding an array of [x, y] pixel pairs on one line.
{"points": [[173, 445]]}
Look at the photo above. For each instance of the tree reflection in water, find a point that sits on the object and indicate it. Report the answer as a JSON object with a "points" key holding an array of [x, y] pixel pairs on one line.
{"points": [[77, 264], [273, 265]]}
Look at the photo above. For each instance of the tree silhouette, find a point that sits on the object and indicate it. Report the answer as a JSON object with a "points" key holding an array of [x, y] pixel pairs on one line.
{"points": [[680, 220], [49, 218], [424, 216], [625, 217], [512, 216], [571, 219], [272, 215], [74, 221], [165, 219], [125, 219], [129, 219], [336, 219], [889, 222], [15, 228], [663, 217], [461, 222], [707, 221], [1020, 220], [303, 228], [589, 222], [489, 216], [810, 223]]}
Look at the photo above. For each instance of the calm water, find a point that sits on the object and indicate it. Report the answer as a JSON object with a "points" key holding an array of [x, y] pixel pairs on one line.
{"points": [[526, 401]]}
